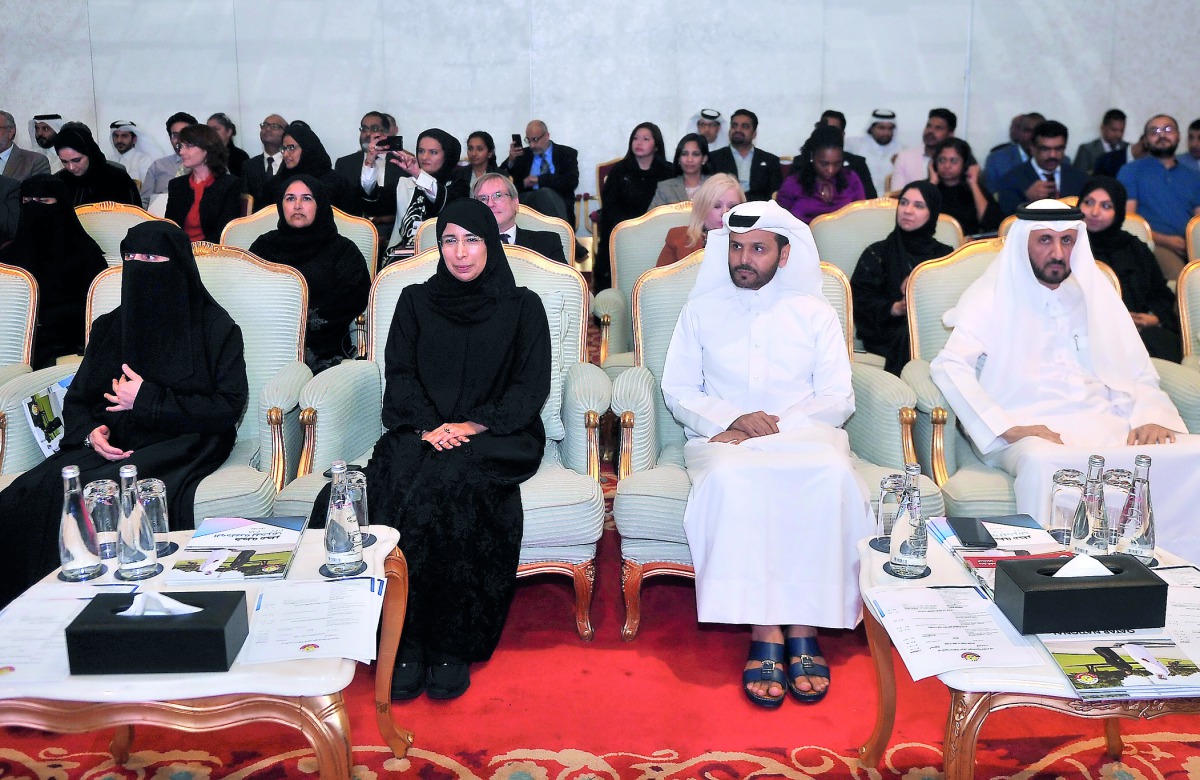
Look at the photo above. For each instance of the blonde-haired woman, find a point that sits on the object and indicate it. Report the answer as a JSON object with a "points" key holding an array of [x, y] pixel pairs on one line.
{"points": [[715, 197]]}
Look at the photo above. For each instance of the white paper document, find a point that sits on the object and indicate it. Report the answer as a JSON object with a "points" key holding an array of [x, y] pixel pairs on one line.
{"points": [[295, 620], [943, 629], [1179, 575], [33, 642]]}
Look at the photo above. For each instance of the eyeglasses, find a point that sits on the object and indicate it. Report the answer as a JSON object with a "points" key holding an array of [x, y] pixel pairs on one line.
{"points": [[290, 148], [371, 129], [1160, 130], [534, 139], [271, 126], [470, 238], [497, 198]]}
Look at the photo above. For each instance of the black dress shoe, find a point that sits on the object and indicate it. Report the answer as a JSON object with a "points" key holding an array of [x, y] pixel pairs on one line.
{"points": [[409, 676], [448, 678]]}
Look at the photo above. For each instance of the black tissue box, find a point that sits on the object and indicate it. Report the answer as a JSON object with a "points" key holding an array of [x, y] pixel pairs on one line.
{"points": [[1036, 602], [99, 641]]}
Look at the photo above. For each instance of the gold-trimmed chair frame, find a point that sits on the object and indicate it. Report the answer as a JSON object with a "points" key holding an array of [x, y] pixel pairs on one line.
{"points": [[26, 356]]}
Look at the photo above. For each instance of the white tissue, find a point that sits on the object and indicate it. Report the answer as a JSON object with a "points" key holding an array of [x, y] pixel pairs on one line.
{"points": [[1083, 566], [157, 604]]}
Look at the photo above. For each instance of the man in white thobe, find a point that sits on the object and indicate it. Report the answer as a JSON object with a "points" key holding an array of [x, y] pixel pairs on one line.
{"points": [[135, 149], [1064, 375], [758, 374]]}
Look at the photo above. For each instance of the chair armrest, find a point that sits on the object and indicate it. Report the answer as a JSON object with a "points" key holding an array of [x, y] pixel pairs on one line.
{"points": [[13, 371], [612, 310], [1192, 362], [880, 429], [279, 434], [935, 426], [342, 413], [633, 400], [1183, 386], [587, 393], [19, 451]]}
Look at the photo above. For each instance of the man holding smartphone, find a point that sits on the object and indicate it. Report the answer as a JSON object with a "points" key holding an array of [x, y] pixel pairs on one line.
{"points": [[368, 175], [545, 173]]}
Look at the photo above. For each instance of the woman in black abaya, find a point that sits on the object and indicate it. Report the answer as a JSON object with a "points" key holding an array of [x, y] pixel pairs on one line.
{"points": [[468, 369], [880, 280], [161, 387], [303, 153], [87, 174]]}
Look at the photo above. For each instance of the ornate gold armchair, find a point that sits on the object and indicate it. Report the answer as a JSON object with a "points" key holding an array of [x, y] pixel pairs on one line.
{"points": [[18, 315], [527, 219], [1188, 294], [108, 222]]}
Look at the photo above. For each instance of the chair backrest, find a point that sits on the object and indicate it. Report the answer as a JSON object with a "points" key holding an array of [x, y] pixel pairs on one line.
{"points": [[1193, 238], [602, 171], [842, 236], [562, 289], [18, 313], [527, 219], [1188, 291], [362, 232], [242, 231], [935, 287], [1135, 225], [635, 244], [268, 301], [108, 222], [426, 237]]}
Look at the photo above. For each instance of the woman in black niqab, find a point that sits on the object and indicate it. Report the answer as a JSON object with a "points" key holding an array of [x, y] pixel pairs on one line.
{"points": [[162, 386], [468, 370], [53, 246], [881, 276]]}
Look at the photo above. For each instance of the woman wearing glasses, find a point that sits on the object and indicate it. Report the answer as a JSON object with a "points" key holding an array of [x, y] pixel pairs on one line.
{"points": [[303, 153], [206, 199]]}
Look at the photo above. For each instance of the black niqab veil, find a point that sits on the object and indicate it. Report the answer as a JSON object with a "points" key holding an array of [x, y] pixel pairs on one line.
{"points": [[476, 300]]}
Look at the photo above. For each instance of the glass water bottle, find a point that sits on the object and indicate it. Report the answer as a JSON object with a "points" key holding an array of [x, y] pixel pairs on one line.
{"points": [[78, 547], [910, 537], [137, 554], [343, 542], [1089, 532], [1135, 529]]}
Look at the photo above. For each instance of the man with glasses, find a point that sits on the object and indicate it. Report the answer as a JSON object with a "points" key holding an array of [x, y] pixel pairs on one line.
{"points": [[497, 192], [15, 162], [545, 173], [1045, 174], [367, 174], [1166, 193], [259, 169], [162, 170]]}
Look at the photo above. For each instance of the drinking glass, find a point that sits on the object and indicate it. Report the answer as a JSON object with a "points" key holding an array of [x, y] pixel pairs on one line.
{"points": [[1064, 503], [101, 499], [152, 495], [890, 488], [356, 484]]}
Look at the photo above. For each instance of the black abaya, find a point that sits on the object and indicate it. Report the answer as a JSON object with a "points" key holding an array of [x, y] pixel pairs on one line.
{"points": [[627, 193], [101, 182]]}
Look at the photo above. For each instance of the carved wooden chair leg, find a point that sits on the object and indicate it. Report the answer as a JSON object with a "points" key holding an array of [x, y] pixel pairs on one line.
{"points": [[122, 741], [1112, 738], [395, 606], [585, 579], [631, 585]]}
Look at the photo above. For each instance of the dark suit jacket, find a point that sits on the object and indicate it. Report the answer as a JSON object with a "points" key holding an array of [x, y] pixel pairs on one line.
{"points": [[22, 164], [564, 180], [382, 200], [765, 173], [858, 164], [1109, 163], [544, 242], [254, 177], [1011, 191], [220, 205], [10, 208]]}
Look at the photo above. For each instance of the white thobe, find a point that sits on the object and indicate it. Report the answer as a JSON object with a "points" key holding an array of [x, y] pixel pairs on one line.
{"points": [[136, 163], [772, 522], [1069, 399]]}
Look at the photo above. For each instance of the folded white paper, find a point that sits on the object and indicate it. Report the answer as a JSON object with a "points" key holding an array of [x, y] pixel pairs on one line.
{"points": [[157, 604], [1083, 566]]}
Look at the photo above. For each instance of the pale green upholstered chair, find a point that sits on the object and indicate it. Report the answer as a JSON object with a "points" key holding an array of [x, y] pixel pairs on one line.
{"points": [[108, 222], [563, 502], [1192, 238], [653, 488], [1188, 292], [243, 231], [633, 250], [527, 219], [269, 302], [18, 313], [1134, 224]]}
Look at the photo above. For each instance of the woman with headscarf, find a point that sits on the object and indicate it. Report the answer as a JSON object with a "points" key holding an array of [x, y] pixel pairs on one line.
{"points": [[161, 387], [468, 369], [956, 174], [53, 246], [880, 280], [481, 160], [822, 182], [332, 265], [303, 153], [227, 131], [628, 190], [208, 197], [87, 173], [1144, 289], [423, 191]]}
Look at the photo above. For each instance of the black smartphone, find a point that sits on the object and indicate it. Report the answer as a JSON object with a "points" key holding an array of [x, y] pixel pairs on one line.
{"points": [[242, 559], [971, 532], [516, 139], [393, 143]]}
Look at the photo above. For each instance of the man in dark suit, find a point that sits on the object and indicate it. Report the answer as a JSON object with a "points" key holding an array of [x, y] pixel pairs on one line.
{"points": [[367, 174], [757, 171], [15, 162], [545, 173], [261, 167], [1044, 174], [496, 192], [1112, 138]]}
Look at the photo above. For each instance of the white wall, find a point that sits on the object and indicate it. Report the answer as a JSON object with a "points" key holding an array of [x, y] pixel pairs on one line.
{"points": [[593, 70]]}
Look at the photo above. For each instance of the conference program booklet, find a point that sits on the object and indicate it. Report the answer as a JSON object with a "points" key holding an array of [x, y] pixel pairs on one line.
{"points": [[1131, 664], [239, 548]]}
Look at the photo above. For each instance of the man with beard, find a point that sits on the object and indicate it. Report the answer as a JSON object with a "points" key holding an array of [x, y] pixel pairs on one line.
{"points": [[1166, 193], [15, 162], [43, 129], [1044, 175], [367, 174], [878, 147], [261, 168], [162, 170], [912, 164], [133, 151], [757, 171]]}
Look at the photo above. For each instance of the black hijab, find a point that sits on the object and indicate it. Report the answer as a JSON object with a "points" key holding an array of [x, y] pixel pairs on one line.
{"points": [[476, 300], [916, 246], [162, 304], [101, 181], [1112, 238], [49, 234], [451, 151], [292, 245], [314, 160]]}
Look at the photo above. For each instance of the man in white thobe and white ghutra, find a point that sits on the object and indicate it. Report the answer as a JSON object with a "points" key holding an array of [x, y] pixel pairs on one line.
{"points": [[758, 374], [1064, 375]]}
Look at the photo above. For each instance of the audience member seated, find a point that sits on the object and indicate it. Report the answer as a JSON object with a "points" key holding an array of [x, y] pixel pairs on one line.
{"points": [[691, 170], [499, 194], [820, 182], [757, 171], [227, 131], [134, 150], [628, 191], [423, 189], [10, 208], [1191, 158], [162, 170], [43, 129], [1044, 175], [546, 173], [912, 164], [854, 162], [303, 153], [880, 280], [332, 265], [1112, 139], [15, 162], [1150, 301], [53, 246], [1166, 193], [367, 174], [757, 373], [878, 147], [261, 168], [715, 197], [208, 198], [468, 369], [87, 174], [1066, 375], [481, 160], [1003, 158], [958, 178], [708, 123], [161, 387]]}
